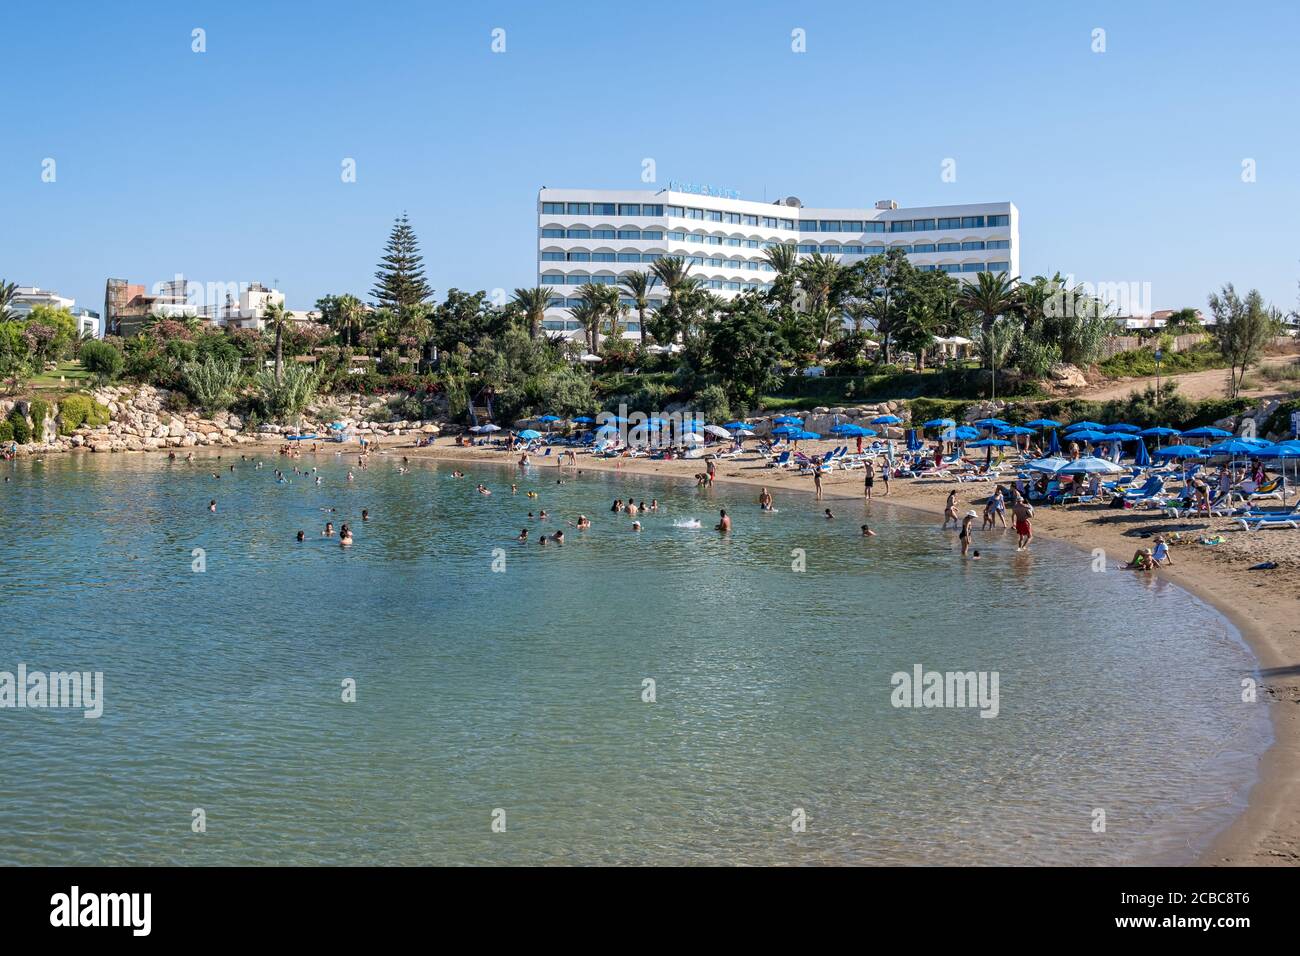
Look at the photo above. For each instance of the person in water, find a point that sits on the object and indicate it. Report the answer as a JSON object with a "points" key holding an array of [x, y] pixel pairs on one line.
{"points": [[329, 529], [950, 509], [365, 514], [212, 505], [724, 522], [523, 535], [867, 532], [583, 522], [559, 536], [636, 526], [828, 514], [967, 532], [765, 500], [345, 536], [302, 536]]}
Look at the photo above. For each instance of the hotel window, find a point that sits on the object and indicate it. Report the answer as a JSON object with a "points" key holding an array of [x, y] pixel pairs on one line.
{"points": [[713, 240], [926, 268], [807, 225], [652, 234], [873, 227], [552, 280], [852, 225], [830, 225], [579, 209], [875, 250], [998, 266], [733, 242], [769, 222], [713, 215], [651, 256], [972, 244], [807, 248], [732, 219], [831, 250], [950, 267], [579, 256], [603, 234], [629, 233], [677, 211], [737, 263], [677, 236], [998, 244], [629, 257], [787, 223], [629, 209], [602, 257], [603, 209], [577, 278], [695, 260], [950, 247], [922, 225], [749, 220], [553, 208], [652, 209], [693, 213], [950, 223], [901, 225], [579, 233], [972, 222], [751, 244], [853, 250], [900, 249], [923, 247], [604, 280], [999, 220], [972, 267], [552, 233], [553, 257]]}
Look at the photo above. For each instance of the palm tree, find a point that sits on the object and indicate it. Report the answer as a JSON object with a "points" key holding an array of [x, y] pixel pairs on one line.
{"points": [[275, 314], [637, 285], [7, 290], [674, 273], [534, 303], [825, 282], [587, 314], [600, 303], [348, 313], [784, 260], [991, 296]]}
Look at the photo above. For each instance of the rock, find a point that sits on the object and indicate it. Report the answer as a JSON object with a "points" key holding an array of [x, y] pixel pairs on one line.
{"points": [[1066, 375]]}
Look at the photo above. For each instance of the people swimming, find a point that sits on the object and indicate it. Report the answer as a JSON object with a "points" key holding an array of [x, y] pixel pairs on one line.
{"points": [[345, 536], [724, 522], [523, 535], [867, 532]]}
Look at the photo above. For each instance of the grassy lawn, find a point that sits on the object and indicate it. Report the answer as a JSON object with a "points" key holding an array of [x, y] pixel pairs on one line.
{"points": [[72, 372]]}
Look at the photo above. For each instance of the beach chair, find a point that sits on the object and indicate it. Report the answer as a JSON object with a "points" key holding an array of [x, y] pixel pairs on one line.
{"points": [[1273, 488], [780, 461], [1260, 522]]}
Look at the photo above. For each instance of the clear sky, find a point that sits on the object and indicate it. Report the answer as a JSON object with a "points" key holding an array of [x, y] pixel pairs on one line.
{"points": [[225, 166]]}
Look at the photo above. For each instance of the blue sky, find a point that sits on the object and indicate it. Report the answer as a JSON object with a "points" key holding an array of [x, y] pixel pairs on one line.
{"points": [[225, 166]]}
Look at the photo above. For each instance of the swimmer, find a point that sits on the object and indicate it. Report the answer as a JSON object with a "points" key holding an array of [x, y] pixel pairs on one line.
{"points": [[559, 537], [513, 489], [724, 522], [636, 526], [482, 490], [365, 515], [654, 504], [765, 500], [329, 529], [542, 515], [867, 532], [583, 522], [350, 477], [302, 536], [523, 535], [345, 536], [828, 514], [212, 505]]}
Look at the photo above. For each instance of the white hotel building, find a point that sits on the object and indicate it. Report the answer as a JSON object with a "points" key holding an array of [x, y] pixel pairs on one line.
{"points": [[594, 235]]}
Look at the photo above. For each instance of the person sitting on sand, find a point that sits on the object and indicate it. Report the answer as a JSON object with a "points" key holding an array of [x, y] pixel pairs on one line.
{"points": [[1142, 561], [1160, 556], [867, 532], [724, 522]]}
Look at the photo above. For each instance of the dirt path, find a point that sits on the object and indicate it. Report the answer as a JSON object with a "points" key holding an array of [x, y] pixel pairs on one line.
{"points": [[1212, 383]]}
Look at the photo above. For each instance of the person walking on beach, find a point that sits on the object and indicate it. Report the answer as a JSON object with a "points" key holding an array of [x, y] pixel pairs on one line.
{"points": [[950, 509], [817, 482], [884, 473], [967, 532], [868, 478], [1023, 512]]}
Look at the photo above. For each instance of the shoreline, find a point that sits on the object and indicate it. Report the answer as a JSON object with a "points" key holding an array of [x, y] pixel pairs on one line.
{"points": [[1266, 832]]}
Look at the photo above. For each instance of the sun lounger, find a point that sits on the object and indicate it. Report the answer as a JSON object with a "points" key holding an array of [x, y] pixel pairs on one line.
{"points": [[1258, 523]]}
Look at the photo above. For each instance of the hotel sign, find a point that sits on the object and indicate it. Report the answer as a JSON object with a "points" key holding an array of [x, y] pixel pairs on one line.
{"points": [[700, 189]]}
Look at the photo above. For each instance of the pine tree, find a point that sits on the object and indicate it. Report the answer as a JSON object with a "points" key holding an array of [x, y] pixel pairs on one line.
{"points": [[399, 281]]}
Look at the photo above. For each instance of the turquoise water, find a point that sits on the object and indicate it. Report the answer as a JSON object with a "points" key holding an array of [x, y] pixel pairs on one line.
{"points": [[521, 690]]}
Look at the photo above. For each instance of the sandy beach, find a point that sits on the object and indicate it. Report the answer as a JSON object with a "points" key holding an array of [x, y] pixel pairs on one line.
{"points": [[1261, 604]]}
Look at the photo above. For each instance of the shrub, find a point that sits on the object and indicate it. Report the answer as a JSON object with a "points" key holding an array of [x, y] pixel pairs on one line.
{"points": [[22, 432], [212, 383], [289, 397], [6, 432], [78, 410], [102, 360], [39, 409]]}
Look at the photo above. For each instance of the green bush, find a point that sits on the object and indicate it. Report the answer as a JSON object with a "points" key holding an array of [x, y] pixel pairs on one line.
{"points": [[22, 432], [78, 410], [38, 409], [102, 360], [1142, 362], [6, 432]]}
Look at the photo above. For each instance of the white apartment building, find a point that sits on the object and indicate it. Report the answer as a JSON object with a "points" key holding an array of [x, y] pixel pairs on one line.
{"points": [[26, 298], [595, 235]]}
